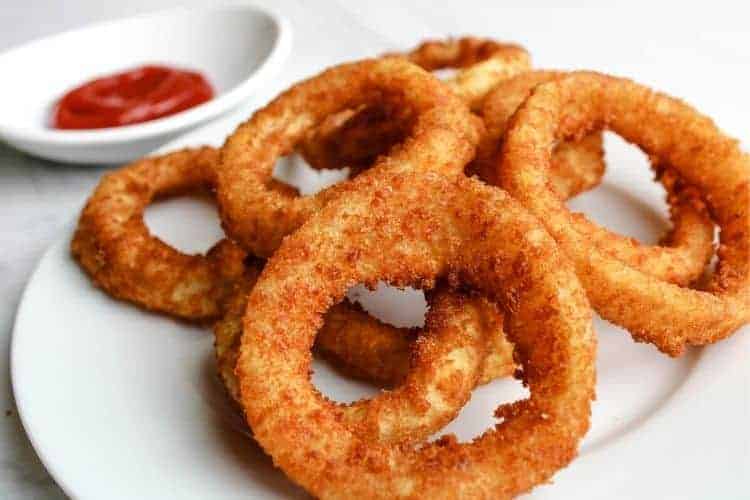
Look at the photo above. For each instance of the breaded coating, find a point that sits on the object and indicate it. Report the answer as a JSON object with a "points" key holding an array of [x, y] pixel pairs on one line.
{"points": [[409, 229], [365, 348], [258, 216], [433, 374], [355, 138], [689, 244], [114, 246], [709, 163]]}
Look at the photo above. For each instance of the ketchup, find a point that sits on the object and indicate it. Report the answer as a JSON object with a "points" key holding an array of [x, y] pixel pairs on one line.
{"points": [[133, 96]]}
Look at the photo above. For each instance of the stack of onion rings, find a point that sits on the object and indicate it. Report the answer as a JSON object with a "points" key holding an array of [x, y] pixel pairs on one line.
{"points": [[503, 296], [441, 141], [113, 244], [355, 138]]}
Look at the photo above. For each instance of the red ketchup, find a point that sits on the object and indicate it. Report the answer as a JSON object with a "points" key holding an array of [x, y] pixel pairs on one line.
{"points": [[133, 96]]}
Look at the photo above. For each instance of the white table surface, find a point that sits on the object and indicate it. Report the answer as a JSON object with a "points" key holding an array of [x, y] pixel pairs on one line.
{"points": [[700, 54]]}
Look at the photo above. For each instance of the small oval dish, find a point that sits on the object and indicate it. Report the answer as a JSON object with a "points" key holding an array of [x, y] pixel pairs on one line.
{"points": [[237, 47]]}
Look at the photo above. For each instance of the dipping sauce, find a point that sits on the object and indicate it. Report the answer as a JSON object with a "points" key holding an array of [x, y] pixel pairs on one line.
{"points": [[133, 96]]}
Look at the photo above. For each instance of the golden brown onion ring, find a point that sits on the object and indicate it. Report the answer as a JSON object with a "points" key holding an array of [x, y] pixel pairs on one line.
{"points": [[409, 228], [691, 240], [114, 246], [354, 138], [675, 134], [258, 216], [361, 346], [444, 361], [481, 63]]}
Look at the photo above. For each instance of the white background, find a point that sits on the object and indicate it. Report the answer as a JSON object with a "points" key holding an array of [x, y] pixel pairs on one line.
{"points": [[701, 53]]}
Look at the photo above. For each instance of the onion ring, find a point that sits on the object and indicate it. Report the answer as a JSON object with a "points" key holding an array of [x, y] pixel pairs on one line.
{"points": [[114, 246], [675, 134], [354, 138], [691, 239], [258, 216], [361, 346], [576, 166], [443, 362], [408, 229]]}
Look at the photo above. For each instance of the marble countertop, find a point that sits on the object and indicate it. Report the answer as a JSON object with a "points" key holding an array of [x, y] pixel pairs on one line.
{"points": [[663, 47]]}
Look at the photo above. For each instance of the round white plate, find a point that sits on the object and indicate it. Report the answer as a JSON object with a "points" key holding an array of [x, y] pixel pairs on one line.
{"points": [[120, 403]]}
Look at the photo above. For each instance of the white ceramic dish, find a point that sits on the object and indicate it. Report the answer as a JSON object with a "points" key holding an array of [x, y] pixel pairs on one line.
{"points": [[123, 404], [238, 47]]}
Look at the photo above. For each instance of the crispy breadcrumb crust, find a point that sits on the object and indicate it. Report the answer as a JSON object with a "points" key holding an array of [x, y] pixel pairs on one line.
{"points": [[114, 246], [257, 216], [674, 134], [690, 243], [409, 229], [481, 64], [576, 166], [357, 344], [433, 370], [441, 364], [355, 138]]}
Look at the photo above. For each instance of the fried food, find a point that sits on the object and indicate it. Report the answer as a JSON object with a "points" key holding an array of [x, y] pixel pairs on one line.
{"points": [[481, 63], [435, 382], [674, 134], [114, 246], [689, 244], [257, 216], [508, 271], [360, 346], [355, 138], [410, 228], [576, 166], [442, 140]]}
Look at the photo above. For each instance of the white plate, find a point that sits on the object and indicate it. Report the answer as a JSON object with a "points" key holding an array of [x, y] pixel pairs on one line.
{"points": [[120, 403], [238, 48]]}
